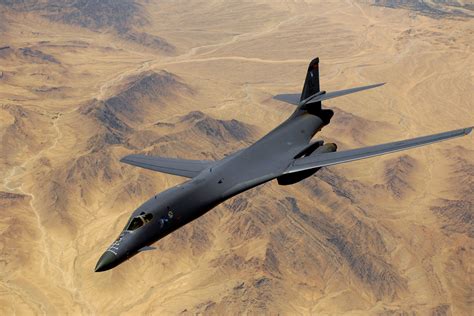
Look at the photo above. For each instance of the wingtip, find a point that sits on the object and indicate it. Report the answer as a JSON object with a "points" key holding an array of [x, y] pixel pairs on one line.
{"points": [[124, 159], [375, 85], [468, 130]]}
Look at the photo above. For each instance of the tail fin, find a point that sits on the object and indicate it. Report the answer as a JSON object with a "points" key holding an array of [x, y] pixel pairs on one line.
{"points": [[311, 84], [311, 97]]}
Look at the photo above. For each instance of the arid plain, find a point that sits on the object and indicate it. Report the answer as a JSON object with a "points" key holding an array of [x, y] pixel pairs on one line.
{"points": [[83, 86]]}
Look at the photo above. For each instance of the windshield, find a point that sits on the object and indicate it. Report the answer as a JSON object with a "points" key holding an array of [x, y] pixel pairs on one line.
{"points": [[139, 221]]}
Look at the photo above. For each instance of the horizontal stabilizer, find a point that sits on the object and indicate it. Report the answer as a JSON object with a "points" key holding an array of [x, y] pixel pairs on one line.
{"points": [[340, 93], [294, 98], [178, 167], [333, 158]]}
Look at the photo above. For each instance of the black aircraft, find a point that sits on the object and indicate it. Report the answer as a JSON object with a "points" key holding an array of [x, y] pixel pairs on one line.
{"points": [[286, 154]]}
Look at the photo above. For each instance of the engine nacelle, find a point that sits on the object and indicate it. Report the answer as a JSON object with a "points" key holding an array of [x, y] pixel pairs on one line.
{"points": [[326, 148], [292, 178]]}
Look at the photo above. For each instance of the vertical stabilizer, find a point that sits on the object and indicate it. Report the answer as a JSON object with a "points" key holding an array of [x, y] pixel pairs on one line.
{"points": [[311, 84]]}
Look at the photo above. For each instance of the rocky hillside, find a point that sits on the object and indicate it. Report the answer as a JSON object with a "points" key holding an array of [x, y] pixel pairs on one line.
{"points": [[80, 88], [125, 17], [433, 8]]}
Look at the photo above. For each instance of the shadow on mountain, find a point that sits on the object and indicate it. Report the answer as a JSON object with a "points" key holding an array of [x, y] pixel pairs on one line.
{"points": [[397, 175], [27, 54], [354, 129], [194, 133], [137, 99], [18, 132], [456, 214], [436, 9], [117, 120], [124, 17]]}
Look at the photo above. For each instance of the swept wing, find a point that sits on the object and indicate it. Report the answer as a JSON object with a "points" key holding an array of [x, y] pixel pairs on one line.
{"points": [[334, 158], [179, 167]]}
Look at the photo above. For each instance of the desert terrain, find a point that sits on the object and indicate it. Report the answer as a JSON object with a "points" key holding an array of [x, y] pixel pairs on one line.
{"points": [[83, 83]]}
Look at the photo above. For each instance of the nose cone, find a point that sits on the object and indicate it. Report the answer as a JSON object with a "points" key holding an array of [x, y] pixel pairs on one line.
{"points": [[106, 262]]}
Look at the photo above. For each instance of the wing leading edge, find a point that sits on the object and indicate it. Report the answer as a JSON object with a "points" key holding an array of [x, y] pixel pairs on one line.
{"points": [[334, 158], [178, 167]]}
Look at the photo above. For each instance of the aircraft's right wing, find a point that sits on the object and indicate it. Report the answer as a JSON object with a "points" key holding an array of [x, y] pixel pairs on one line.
{"points": [[179, 167], [333, 158]]}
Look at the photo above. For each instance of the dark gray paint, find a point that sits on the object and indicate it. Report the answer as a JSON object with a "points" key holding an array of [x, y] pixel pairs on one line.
{"points": [[285, 153]]}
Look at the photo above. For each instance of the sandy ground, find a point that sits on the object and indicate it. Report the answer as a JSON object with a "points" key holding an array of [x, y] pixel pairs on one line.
{"points": [[389, 235]]}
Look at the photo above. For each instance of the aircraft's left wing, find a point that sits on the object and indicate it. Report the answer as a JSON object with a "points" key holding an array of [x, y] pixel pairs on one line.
{"points": [[294, 98], [178, 167], [334, 158]]}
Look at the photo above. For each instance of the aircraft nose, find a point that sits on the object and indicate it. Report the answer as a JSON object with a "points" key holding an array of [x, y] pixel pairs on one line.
{"points": [[105, 262]]}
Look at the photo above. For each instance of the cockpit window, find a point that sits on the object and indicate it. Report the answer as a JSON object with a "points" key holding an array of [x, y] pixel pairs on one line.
{"points": [[148, 217], [139, 221]]}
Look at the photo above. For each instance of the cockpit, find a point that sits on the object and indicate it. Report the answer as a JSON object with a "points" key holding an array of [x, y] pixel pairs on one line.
{"points": [[139, 220]]}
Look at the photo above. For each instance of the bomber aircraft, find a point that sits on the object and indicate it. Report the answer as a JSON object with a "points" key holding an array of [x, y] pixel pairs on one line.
{"points": [[286, 154]]}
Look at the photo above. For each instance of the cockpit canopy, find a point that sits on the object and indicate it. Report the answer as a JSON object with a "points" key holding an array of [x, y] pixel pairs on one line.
{"points": [[138, 221]]}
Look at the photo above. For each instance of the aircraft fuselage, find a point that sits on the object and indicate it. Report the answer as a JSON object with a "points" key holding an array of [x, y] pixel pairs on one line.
{"points": [[261, 162], [285, 154]]}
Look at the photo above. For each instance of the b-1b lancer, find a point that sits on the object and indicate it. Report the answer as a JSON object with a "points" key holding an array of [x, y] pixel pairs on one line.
{"points": [[286, 154]]}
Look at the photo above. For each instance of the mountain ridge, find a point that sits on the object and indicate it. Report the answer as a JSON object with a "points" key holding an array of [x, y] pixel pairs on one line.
{"points": [[385, 236]]}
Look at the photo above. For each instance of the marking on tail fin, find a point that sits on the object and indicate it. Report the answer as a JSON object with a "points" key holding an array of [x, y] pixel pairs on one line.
{"points": [[311, 83]]}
